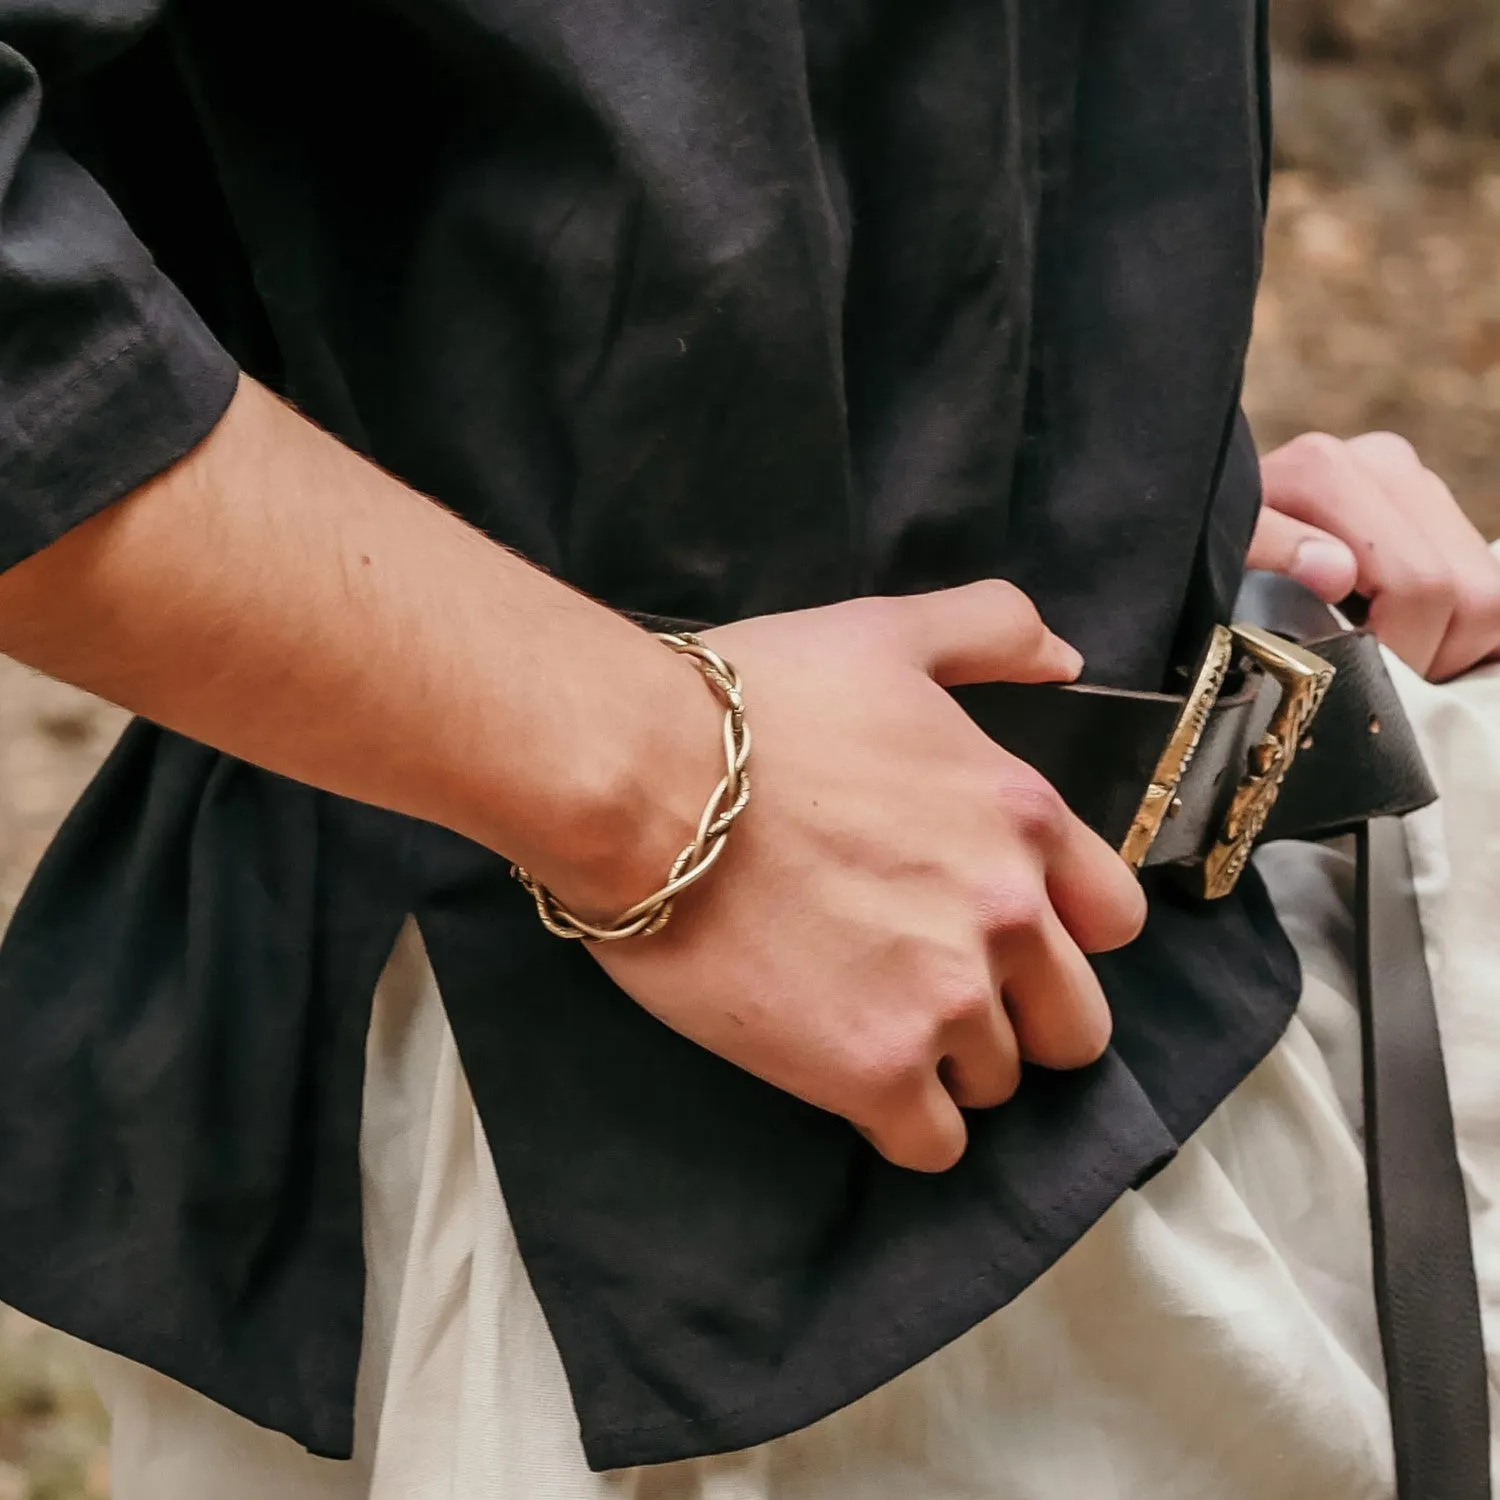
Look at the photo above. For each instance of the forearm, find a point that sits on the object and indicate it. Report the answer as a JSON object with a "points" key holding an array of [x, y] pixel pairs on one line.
{"points": [[280, 598]]}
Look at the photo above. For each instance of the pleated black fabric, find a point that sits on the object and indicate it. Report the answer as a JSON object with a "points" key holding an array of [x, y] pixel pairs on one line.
{"points": [[712, 309]]}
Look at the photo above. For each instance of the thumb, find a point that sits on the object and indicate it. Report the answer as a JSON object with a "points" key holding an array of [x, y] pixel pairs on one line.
{"points": [[986, 632], [1313, 558]]}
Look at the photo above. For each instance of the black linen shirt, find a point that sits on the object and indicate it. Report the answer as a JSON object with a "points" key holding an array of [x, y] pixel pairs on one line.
{"points": [[713, 309]]}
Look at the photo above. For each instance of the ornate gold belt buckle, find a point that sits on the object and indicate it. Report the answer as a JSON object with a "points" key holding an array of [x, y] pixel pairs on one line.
{"points": [[1304, 678]]}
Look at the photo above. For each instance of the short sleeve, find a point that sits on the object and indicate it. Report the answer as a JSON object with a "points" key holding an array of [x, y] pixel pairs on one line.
{"points": [[107, 375]]}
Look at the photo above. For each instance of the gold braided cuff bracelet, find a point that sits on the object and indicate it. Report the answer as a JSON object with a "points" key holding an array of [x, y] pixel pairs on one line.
{"points": [[699, 857]]}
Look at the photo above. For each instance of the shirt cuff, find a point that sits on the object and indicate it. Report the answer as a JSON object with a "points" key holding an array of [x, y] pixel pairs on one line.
{"points": [[146, 400]]}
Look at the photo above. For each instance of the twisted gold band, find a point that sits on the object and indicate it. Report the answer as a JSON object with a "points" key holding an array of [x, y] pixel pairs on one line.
{"points": [[699, 857]]}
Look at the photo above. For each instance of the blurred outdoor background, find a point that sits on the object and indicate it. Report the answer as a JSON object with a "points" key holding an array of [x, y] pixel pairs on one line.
{"points": [[1381, 309]]}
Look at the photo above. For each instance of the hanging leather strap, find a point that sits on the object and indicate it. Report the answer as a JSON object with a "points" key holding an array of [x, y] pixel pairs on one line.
{"points": [[1426, 1296], [1358, 770]]}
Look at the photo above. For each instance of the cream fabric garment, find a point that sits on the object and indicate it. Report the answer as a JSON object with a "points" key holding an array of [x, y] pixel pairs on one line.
{"points": [[1213, 1338]]}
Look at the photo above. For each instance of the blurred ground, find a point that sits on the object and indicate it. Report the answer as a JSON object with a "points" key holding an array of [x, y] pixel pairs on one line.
{"points": [[1381, 299], [52, 1430], [1380, 308], [51, 1427]]}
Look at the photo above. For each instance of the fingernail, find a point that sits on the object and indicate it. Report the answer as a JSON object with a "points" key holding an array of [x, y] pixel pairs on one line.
{"points": [[1325, 566]]}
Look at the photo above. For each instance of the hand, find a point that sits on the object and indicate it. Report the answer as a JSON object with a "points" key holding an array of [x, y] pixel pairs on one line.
{"points": [[1365, 517], [902, 913]]}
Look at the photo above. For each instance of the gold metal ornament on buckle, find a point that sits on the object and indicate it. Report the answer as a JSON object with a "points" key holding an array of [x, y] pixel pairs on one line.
{"points": [[1304, 678]]}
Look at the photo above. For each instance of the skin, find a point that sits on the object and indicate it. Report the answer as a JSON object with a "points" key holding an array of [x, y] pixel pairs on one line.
{"points": [[890, 969], [275, 595], [1365, 517]]}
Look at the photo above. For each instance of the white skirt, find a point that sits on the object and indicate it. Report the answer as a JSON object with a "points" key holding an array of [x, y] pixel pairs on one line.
{"points": [[1213, 1338]]}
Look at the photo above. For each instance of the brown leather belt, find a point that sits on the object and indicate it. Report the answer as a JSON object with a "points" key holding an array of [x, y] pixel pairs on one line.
{"points": [[1293, 729]]}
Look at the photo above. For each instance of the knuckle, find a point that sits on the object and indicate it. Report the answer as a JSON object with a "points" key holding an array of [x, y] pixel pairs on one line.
{"points": [[1033, 805], [998, 1088], [1012, 605], [1316, 454], [1476, 603], [1482, 595], [1387, 448], [1077, 1039], [1007, 1083], [1009, 904], [1127, 910], [1421, 582], [922, 1150], [942, 1154], [882, 617], [964, 1004], [1092, 1037], [907, 1132], [1000, 592], [890, 1070]]}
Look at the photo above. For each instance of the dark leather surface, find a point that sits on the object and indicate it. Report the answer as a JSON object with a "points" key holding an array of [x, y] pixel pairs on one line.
{"points": [[1359, 768], [1426, 1297], [1099, 746]]}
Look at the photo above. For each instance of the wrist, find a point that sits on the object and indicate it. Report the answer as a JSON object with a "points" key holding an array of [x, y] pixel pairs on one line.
{"points": [[722, 810], [621, 782]]}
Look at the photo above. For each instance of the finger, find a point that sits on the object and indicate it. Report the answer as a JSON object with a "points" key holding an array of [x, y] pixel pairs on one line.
{"points": [[1473, 635], [922, 1131], [1387, 453], [1419, 495], [985, 632], [981, 1065], [1404, 577], [1056, 1005], [1093, 891], [1413, 618], [1294, 549], [1473, 631], [1096, 895]]}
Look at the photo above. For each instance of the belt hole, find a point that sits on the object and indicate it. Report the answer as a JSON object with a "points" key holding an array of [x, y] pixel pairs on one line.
{"points": [[1374, 725]]}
